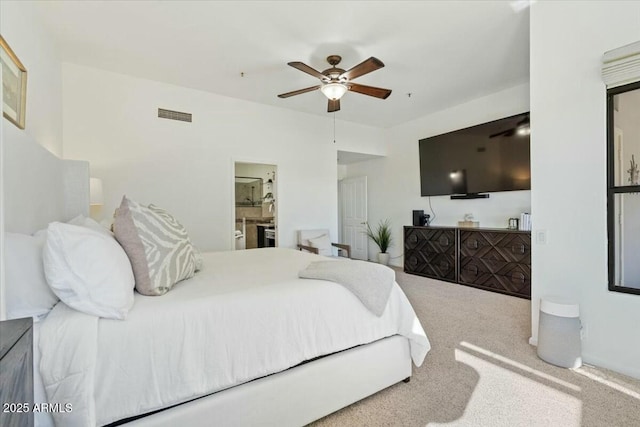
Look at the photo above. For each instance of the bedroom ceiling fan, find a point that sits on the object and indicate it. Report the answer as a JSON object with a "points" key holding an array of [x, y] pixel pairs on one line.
{"points": [[335, 81], [523, 127]]}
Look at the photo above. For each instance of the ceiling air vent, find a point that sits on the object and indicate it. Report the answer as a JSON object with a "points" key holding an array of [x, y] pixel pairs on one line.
{"points": [[174, 115]]}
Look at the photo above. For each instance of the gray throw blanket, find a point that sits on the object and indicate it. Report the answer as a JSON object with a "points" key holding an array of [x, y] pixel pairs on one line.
{"points": [[370, 282]]}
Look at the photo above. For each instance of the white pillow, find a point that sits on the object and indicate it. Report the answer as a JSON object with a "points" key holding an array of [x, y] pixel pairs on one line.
{"points": [[88, 270], [323, 244], [27, 292], [84, 221]]}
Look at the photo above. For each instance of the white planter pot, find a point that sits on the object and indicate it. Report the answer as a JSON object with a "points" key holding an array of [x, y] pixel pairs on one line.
{"points": [[383, 258]]}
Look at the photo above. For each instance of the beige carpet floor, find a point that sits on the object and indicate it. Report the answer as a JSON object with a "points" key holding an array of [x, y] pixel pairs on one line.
{"points": [[481, 371]]}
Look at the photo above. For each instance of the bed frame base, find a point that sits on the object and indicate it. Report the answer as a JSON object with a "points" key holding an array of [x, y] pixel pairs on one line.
{"points": [[299, 395]]}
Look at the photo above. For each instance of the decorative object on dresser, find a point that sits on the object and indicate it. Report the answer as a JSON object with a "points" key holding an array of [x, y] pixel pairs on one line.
{"points": [[419, 218], [468, 222], [16, 372], [497, 260], [381, 237]]}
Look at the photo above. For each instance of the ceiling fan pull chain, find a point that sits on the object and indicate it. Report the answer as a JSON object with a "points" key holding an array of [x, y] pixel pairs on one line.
{"points": [[334, 127]]}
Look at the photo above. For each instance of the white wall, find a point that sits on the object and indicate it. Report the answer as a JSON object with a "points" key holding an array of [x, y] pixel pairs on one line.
{"points": [[569, 171], [23, 31], [394, 181], [111, 120]]}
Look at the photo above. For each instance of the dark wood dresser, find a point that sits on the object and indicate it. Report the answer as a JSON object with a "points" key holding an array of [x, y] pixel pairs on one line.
{"points": [[16, 372], [497, 260], [431, 252]]}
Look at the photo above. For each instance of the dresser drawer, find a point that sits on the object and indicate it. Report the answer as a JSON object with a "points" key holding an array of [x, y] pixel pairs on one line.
{"points": [[513, 279], [508, 247], [437, 266], [430, 240]]}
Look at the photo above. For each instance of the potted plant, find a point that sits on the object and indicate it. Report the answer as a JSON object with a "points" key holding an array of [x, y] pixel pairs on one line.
{"points": [[381, 237]]}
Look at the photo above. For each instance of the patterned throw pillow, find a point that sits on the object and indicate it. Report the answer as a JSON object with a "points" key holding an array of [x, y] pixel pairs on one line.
{"points": [[157, 245]]}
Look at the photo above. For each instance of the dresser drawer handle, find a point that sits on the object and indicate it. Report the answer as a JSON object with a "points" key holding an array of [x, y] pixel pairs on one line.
{"points": [[413, 239], [517, 278], [444, 265], [472, 244], [444, 241], [518, 249]]}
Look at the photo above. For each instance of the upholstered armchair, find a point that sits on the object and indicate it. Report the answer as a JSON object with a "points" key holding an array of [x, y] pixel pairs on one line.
{"points": [[319, 242]]}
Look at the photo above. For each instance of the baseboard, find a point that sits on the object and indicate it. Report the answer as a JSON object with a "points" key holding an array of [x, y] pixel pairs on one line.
{"points": [[623, 369], [533, 341]]}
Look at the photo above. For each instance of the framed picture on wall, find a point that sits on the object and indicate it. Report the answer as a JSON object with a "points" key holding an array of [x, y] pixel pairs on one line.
{"points": [[14, 85]]}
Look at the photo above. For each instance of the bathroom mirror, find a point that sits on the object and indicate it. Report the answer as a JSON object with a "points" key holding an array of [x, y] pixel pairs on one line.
{"points": [[623, 187], [248, 191]]}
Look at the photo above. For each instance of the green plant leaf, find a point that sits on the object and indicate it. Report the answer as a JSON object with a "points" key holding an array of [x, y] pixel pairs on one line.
{"points": [[382, 235]]}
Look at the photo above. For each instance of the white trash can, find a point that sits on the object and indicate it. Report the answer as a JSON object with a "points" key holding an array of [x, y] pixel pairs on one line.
{"points": [[559, 332]]}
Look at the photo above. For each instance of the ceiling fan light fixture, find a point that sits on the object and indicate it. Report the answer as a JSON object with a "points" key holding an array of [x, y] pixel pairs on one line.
{"points": [[334, 91]]}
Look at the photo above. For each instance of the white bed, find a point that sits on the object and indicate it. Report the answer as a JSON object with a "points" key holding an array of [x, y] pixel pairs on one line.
{"points": [[183, 346]]}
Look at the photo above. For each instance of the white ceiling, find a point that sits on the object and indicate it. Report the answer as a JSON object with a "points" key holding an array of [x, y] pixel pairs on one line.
{"points": [[442, 52]]}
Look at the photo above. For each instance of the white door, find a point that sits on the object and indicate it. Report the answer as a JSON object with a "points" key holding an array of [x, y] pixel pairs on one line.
{"points": [[353, 213]]}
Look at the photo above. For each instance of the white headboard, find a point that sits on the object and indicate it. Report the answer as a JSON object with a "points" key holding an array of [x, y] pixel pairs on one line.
{"points": [[38, 188]]}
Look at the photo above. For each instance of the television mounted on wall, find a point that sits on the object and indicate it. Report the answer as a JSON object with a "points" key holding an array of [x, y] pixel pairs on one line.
{"points": [[470, 162]]}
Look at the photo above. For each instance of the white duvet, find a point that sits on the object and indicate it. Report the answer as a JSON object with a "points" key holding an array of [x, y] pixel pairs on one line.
{"points": [[244, 316]]}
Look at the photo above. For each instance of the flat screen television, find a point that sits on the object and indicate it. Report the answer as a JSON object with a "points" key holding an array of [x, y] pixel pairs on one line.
{"points": [[486, 158]]}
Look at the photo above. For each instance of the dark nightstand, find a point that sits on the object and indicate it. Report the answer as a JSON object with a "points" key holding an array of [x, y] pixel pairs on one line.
{"points": [[16, 372]]}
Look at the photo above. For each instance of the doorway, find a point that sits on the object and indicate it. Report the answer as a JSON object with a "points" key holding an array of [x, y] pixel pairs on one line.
{"points": [[353, 215], [256, 213]]}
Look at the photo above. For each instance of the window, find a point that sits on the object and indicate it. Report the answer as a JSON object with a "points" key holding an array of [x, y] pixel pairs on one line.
{"points": [[623, 187]]}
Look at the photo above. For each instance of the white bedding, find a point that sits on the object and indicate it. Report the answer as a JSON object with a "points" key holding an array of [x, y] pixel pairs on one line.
{"points": [[244, 316]]}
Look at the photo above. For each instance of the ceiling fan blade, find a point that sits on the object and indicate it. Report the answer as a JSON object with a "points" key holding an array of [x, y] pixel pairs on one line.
{"points": [[305, 68], [362, 68], [376, 92], [299, 91], [333, 106]]}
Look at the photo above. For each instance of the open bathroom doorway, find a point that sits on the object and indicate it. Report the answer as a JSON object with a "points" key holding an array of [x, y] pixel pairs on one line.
{"points": [[256, 210]]}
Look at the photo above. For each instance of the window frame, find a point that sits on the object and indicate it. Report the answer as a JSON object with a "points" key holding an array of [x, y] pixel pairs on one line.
{"points": [[612, 189]]}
